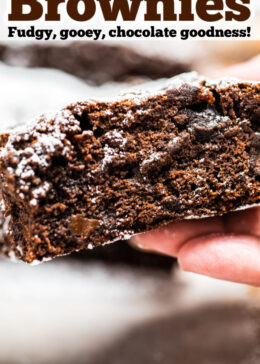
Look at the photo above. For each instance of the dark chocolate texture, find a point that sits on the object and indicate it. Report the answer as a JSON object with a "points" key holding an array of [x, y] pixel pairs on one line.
{"points": [[100, 171]]}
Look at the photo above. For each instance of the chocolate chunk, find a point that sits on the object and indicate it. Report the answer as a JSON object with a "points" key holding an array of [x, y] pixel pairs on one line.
{"points": [[82, 226], [3, 139]]}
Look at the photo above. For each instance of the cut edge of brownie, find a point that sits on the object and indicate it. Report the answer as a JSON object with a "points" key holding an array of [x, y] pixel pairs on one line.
{"points": [[101, 171]]}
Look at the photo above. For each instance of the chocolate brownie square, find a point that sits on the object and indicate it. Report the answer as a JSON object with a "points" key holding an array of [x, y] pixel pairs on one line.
{"points": [[103, 170]]}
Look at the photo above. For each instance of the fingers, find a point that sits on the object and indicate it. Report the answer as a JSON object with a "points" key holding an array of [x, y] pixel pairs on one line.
{"points": [[248, 71], [169, 240], [232, 258], [225, 247]]}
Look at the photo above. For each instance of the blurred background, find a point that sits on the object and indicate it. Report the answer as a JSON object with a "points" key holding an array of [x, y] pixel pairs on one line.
{"points": [[116, 305]]}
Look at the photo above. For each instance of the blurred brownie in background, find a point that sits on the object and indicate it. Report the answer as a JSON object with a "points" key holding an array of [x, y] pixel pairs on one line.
{"points": [[130, 62], [96, 62], [214, 333]]}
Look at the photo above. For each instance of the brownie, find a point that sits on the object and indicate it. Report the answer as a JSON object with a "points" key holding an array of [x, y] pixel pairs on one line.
{"points": [[94, 61], [214, 333], [101, 171]]}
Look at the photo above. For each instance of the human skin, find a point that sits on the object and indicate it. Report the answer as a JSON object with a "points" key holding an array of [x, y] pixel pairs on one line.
{"points": [[226, 247]]}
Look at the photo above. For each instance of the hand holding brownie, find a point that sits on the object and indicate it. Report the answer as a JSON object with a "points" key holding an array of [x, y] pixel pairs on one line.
{"points": [[225, 247]]}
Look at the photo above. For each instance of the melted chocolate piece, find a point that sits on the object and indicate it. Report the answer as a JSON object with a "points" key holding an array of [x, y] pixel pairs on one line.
{"points": [[82, 226]]}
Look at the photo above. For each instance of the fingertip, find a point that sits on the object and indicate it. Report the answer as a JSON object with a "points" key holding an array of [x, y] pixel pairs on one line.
{"points": [[137, 243], [227, 257], [247, 70], [169, 239]]}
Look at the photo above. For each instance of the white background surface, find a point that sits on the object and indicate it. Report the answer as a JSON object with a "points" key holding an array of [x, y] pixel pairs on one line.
{"points": [[65, 309]]}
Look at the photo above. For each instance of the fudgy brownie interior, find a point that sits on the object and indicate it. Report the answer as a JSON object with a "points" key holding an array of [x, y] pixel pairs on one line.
{"points": [[104, 170]]}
